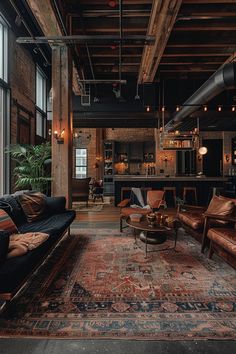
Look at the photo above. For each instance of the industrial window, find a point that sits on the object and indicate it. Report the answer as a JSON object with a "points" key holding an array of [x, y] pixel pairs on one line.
{"points": [[3, 50], [81, 163], [4, 108], [41, 106]]}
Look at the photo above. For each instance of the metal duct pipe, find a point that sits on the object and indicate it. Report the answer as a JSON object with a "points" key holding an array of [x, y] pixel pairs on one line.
{"points": [[222, 79]]}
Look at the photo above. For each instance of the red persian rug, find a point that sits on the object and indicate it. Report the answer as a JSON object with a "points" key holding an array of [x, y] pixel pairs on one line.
{"points": [[98, 284]]}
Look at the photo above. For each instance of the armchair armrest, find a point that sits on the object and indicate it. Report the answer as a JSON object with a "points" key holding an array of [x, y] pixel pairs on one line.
{"points": [[123, 203], [219, 217], [186, 207]]}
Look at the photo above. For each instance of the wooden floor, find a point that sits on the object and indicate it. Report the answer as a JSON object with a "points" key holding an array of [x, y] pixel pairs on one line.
{"points": [[109, 213]]}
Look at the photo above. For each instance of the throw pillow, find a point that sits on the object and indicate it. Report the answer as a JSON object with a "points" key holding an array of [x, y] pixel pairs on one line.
{"points": [[55, 205], [4, 243], [33, 205], [13, 208], [6, 222], [220, 206], [20, 244]]}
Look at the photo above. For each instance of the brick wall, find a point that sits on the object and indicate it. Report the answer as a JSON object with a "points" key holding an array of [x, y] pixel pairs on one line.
{"points": [[130, 134], [22, 83]]}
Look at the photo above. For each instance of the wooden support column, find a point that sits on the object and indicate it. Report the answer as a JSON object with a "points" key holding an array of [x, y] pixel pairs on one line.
{"points": [[62, 119]]}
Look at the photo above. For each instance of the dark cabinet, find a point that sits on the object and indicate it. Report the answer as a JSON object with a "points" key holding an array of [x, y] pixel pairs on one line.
{"points": [[136, 152]]}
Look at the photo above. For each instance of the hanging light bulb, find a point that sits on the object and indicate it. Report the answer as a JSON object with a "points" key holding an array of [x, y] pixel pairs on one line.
{"points": [[205, 108], [163, 108], [233, 109], [177, 108], [219, 108], [148, 109]]}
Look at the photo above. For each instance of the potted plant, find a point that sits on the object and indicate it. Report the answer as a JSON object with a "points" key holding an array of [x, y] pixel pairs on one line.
{"points": [[33, 166]]}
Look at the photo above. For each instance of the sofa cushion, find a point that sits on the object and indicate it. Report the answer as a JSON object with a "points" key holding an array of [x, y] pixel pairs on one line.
{"points": [[20, 244], [225, 237], [33, 205], [13, 208], [219, 206], [55, 205], [4, 243], [52, 225], [6, 222], [192, 219]]}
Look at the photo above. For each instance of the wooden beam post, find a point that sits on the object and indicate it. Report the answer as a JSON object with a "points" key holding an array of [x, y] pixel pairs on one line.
{"points": [[62, 119]]}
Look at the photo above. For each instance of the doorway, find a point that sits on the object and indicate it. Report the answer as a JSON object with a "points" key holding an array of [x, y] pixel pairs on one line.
{"points": [[212, 161]]}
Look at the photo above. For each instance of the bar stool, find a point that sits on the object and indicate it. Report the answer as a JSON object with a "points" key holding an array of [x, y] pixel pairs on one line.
{"points": [[170, 190], [190, 190]]}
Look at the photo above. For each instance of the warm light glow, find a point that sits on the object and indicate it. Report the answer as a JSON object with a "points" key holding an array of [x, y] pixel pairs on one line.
{"points": [[177, 108], [233, 108], [205, 108], [219, 108], [163, 109], [55, 133], [62, 132], [148, 109], [202, 150], [177, 132]]}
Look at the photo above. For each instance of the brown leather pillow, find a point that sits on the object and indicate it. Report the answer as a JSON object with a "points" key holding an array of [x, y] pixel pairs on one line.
{"points": [[20, 244], [219, 206], [33, 205]]}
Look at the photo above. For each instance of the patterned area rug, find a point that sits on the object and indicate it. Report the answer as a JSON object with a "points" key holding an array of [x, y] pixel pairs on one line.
{"points": [[98, 284]]}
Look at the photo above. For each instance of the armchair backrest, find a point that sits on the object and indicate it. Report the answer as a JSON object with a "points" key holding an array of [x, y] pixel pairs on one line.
{"points": [[155, 198], [80, 185]]}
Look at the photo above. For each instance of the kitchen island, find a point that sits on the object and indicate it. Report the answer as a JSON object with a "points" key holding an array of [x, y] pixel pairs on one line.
{"points": [[203, 184]]}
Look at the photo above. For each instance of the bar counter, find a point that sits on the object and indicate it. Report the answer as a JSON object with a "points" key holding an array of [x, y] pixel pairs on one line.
{"points": [[203, 185]]}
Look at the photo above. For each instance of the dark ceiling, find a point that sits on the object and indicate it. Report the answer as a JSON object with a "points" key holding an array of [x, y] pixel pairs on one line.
{"points": [[197, 37]]}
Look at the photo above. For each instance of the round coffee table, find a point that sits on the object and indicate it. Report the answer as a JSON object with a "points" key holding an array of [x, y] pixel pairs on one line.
{"points": [[156, 234]]}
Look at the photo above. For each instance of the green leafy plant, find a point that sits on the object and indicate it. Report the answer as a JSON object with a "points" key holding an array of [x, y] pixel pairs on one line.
{"points": [[32, 168]]}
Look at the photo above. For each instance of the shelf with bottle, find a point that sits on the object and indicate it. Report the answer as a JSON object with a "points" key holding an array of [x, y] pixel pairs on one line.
{"points": [[179, 141]]}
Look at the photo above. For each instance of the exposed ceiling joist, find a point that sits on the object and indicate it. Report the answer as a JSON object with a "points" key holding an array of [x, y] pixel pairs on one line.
{"points": [[161, 22]]}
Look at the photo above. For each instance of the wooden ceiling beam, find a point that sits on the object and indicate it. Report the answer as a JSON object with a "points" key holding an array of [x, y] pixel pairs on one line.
{"points": [[162, 19], [196, 2], [192, 63], [201, 27], [125, 2], [170, 55], [98, 30], [201, 45], [45, 16]]}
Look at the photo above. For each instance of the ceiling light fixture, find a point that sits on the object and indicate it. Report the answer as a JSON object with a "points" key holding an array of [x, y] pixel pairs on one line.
{"points": [[205, 108], [148, 109], [177, 108], [219, 108], [233, 109]]}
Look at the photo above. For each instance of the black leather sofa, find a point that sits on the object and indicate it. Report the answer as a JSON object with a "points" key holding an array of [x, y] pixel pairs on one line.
{"points": [[56, 221]]}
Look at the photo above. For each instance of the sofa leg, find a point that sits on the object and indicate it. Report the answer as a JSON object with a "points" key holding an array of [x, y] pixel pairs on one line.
{"points": [[211, 250]]}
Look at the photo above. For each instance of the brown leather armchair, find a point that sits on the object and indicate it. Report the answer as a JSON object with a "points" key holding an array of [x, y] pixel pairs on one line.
{"points": [[155, 199], [80, 189], [213, 227]]}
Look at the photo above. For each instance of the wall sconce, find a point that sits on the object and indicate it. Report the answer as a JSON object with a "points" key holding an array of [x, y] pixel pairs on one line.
{"points": [[227, 157], [201, 152], [59, 136]]}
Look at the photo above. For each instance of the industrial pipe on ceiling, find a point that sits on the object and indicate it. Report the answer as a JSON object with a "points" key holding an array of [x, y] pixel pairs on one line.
{"points": [[223, 79]]}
